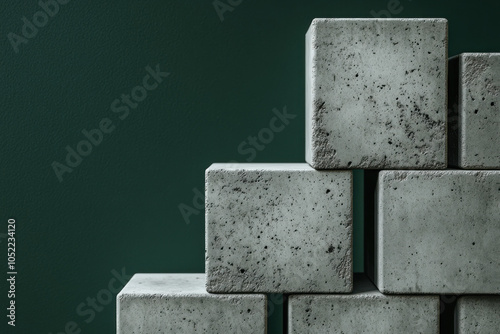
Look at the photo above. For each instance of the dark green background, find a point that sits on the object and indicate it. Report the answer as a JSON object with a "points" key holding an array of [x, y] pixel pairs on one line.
{"points": [[119, 208]]}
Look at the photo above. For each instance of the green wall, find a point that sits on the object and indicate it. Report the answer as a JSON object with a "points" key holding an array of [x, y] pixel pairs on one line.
{"points": [[118, 208]]}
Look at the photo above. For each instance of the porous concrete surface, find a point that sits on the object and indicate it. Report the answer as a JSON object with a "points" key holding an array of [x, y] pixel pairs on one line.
{"points": [[438, 232], [475, 111], [477, 314], [376, 93], [179, 303], [364, 311], [278, 228]]}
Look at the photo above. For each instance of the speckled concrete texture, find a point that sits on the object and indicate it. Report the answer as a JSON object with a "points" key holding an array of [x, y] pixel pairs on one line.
{"points": [[376, 93], [477, 314], [364, 311], [474, 105], [179, 303], [437, 232], [278, 228]]}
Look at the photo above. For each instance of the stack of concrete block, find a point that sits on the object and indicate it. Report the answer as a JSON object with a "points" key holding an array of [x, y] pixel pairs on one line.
{"points": [[377, 95], [377, 99]]}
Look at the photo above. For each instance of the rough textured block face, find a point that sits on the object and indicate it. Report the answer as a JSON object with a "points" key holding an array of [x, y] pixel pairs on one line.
{"points": [[376, 93], [478, 314], [179, 303], [474, 117], [437, 232], [365, 311], [278, 228]]}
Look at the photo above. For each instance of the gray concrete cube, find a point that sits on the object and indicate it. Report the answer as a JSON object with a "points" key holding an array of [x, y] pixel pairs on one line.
{"points": [[364, 311], [477, 314], [278, 228], [437, 232], [376, 93], [179, 303], [474, 111]]}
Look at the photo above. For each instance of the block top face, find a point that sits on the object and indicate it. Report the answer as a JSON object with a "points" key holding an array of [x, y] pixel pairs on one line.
{"points": [[438, 231], [261, 166], [479, 110], [332, 23], [278, 228], [179, 303], [376, 93], [173, 285], [166, 285]]}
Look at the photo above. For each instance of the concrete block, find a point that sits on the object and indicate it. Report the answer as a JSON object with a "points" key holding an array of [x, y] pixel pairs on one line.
{"points": [[437, 232], [474, 111], [477, 314], [364, 311], [179, 303], [278, 228], [376, 93]]}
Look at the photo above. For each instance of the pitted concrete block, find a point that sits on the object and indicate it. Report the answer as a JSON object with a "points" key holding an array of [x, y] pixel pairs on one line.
{"points": [[474, 111], [364, 311], [376, 93], [278, 228], [477, 314], [437, 232], [179, 303]]}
